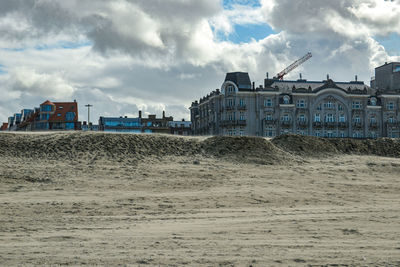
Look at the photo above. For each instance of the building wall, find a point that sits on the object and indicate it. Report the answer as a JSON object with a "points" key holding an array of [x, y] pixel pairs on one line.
{"points": [[343, 112]]}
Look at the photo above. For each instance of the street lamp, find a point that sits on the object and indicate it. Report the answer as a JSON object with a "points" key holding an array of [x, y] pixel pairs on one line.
{"points": [[88, 114]]}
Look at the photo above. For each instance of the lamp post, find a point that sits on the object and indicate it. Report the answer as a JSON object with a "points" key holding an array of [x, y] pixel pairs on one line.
{"points": [[88, 114]]}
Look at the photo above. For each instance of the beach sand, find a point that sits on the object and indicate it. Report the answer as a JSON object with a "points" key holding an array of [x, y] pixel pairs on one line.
{"points": [[155, 200]]}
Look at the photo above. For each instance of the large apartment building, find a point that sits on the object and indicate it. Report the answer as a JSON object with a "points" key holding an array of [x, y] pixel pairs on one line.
{"points": [[319, 108]]}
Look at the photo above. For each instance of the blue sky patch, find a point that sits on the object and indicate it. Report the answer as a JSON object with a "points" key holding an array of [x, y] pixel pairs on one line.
{"points": [[246, 33], [2, 71], [228, 4], [391, 43]]}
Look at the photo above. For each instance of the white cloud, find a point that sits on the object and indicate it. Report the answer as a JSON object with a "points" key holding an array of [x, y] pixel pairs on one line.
{"points": [[163, 54]]}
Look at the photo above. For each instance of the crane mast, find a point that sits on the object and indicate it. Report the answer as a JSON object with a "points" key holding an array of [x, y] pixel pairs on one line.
{"points": [[294, 65]]}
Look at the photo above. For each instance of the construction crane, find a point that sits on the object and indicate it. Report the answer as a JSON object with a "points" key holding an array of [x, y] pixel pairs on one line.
{"points": [[294, 65]]}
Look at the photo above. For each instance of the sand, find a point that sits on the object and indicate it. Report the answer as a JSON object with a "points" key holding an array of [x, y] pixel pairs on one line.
{"points": [[154, 200]]}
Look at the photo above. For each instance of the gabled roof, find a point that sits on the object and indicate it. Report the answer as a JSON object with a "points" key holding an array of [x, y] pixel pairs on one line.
{"points": [[47, 102]]}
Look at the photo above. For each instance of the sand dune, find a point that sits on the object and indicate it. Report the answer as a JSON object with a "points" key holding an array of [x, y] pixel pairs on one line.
{"points": [[109, 199]]}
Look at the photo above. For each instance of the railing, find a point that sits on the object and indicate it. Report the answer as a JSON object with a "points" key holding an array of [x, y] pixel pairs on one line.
{"points": [[233, 123], [242, 107], [302, 123], [342, 124], [270, 121], [357, 124], [330, 124], [286, 123], [317, 124], [373, 125], [230, 107]]}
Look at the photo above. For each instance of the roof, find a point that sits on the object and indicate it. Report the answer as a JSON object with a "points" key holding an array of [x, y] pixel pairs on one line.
{"points": [[287, 85], [241, 79], [47, 102], [119, 119]]}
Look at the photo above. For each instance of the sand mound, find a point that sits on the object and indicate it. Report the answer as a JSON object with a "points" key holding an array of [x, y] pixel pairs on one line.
{"points": [[133, 147], [105, 146], [247, 149], [314, 146]]}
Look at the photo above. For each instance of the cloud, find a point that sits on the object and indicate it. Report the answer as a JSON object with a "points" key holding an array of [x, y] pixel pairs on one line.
{"points": [[27, 82], [126, 55]]}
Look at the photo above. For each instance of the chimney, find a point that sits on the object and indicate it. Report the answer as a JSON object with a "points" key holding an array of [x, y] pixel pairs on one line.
{"points": [[267, 75], [301, 76], [140, 114], [327, 77], [163, 114], [254, 86], [356, 78]]}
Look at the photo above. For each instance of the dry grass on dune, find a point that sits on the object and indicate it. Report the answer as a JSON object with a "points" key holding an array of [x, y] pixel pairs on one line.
{"points": [[124, 199]]}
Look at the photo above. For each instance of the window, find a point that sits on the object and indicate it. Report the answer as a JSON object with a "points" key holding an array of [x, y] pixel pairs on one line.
{"points": [[342, 118], [319, 107], [231, 89], [342, 134], [396, 68], [268, 102], [231, 117], [58, 114], [317, 118], [356, 105], [70, 116], [302, 118], [301, 103], [340, 107], [269, 117], [46, 108], [44, 117], [70, 126], [242, 116], [286, 117], [391, 120], [230, 102], [286, 99], [318, 134], [373, 101], [241, 102], [390, 106], [328, 105], [329, 118], [60, 107], [357, 119], [372, 119]]}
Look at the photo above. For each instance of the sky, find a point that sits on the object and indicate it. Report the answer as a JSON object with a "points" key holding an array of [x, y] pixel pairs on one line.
{"points": [[123, 56]]}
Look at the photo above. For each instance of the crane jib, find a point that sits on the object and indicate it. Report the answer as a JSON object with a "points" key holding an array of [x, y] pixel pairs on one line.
{"points": [[294, 65]]}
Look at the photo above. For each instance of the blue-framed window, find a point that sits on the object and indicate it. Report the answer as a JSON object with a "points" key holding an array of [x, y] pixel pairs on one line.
{"points": [[46, 108], [70, 116]]}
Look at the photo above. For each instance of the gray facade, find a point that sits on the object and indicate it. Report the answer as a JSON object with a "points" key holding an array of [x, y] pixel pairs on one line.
{"points": [[387, 77], [318, 108]]}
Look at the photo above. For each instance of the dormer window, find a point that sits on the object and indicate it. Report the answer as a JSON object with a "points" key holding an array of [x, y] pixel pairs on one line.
{"points": [[286, 99], [231, 89], [373, 101]]}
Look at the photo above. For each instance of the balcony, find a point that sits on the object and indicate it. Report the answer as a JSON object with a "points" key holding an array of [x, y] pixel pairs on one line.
{"points": [[317, 124], [342, 124], [286, 123], [330, 124], [373, 125], [270, 122], [242, 107], [357, 125], [228, 108], [392, 124], [233, 123], [302, 123]]}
